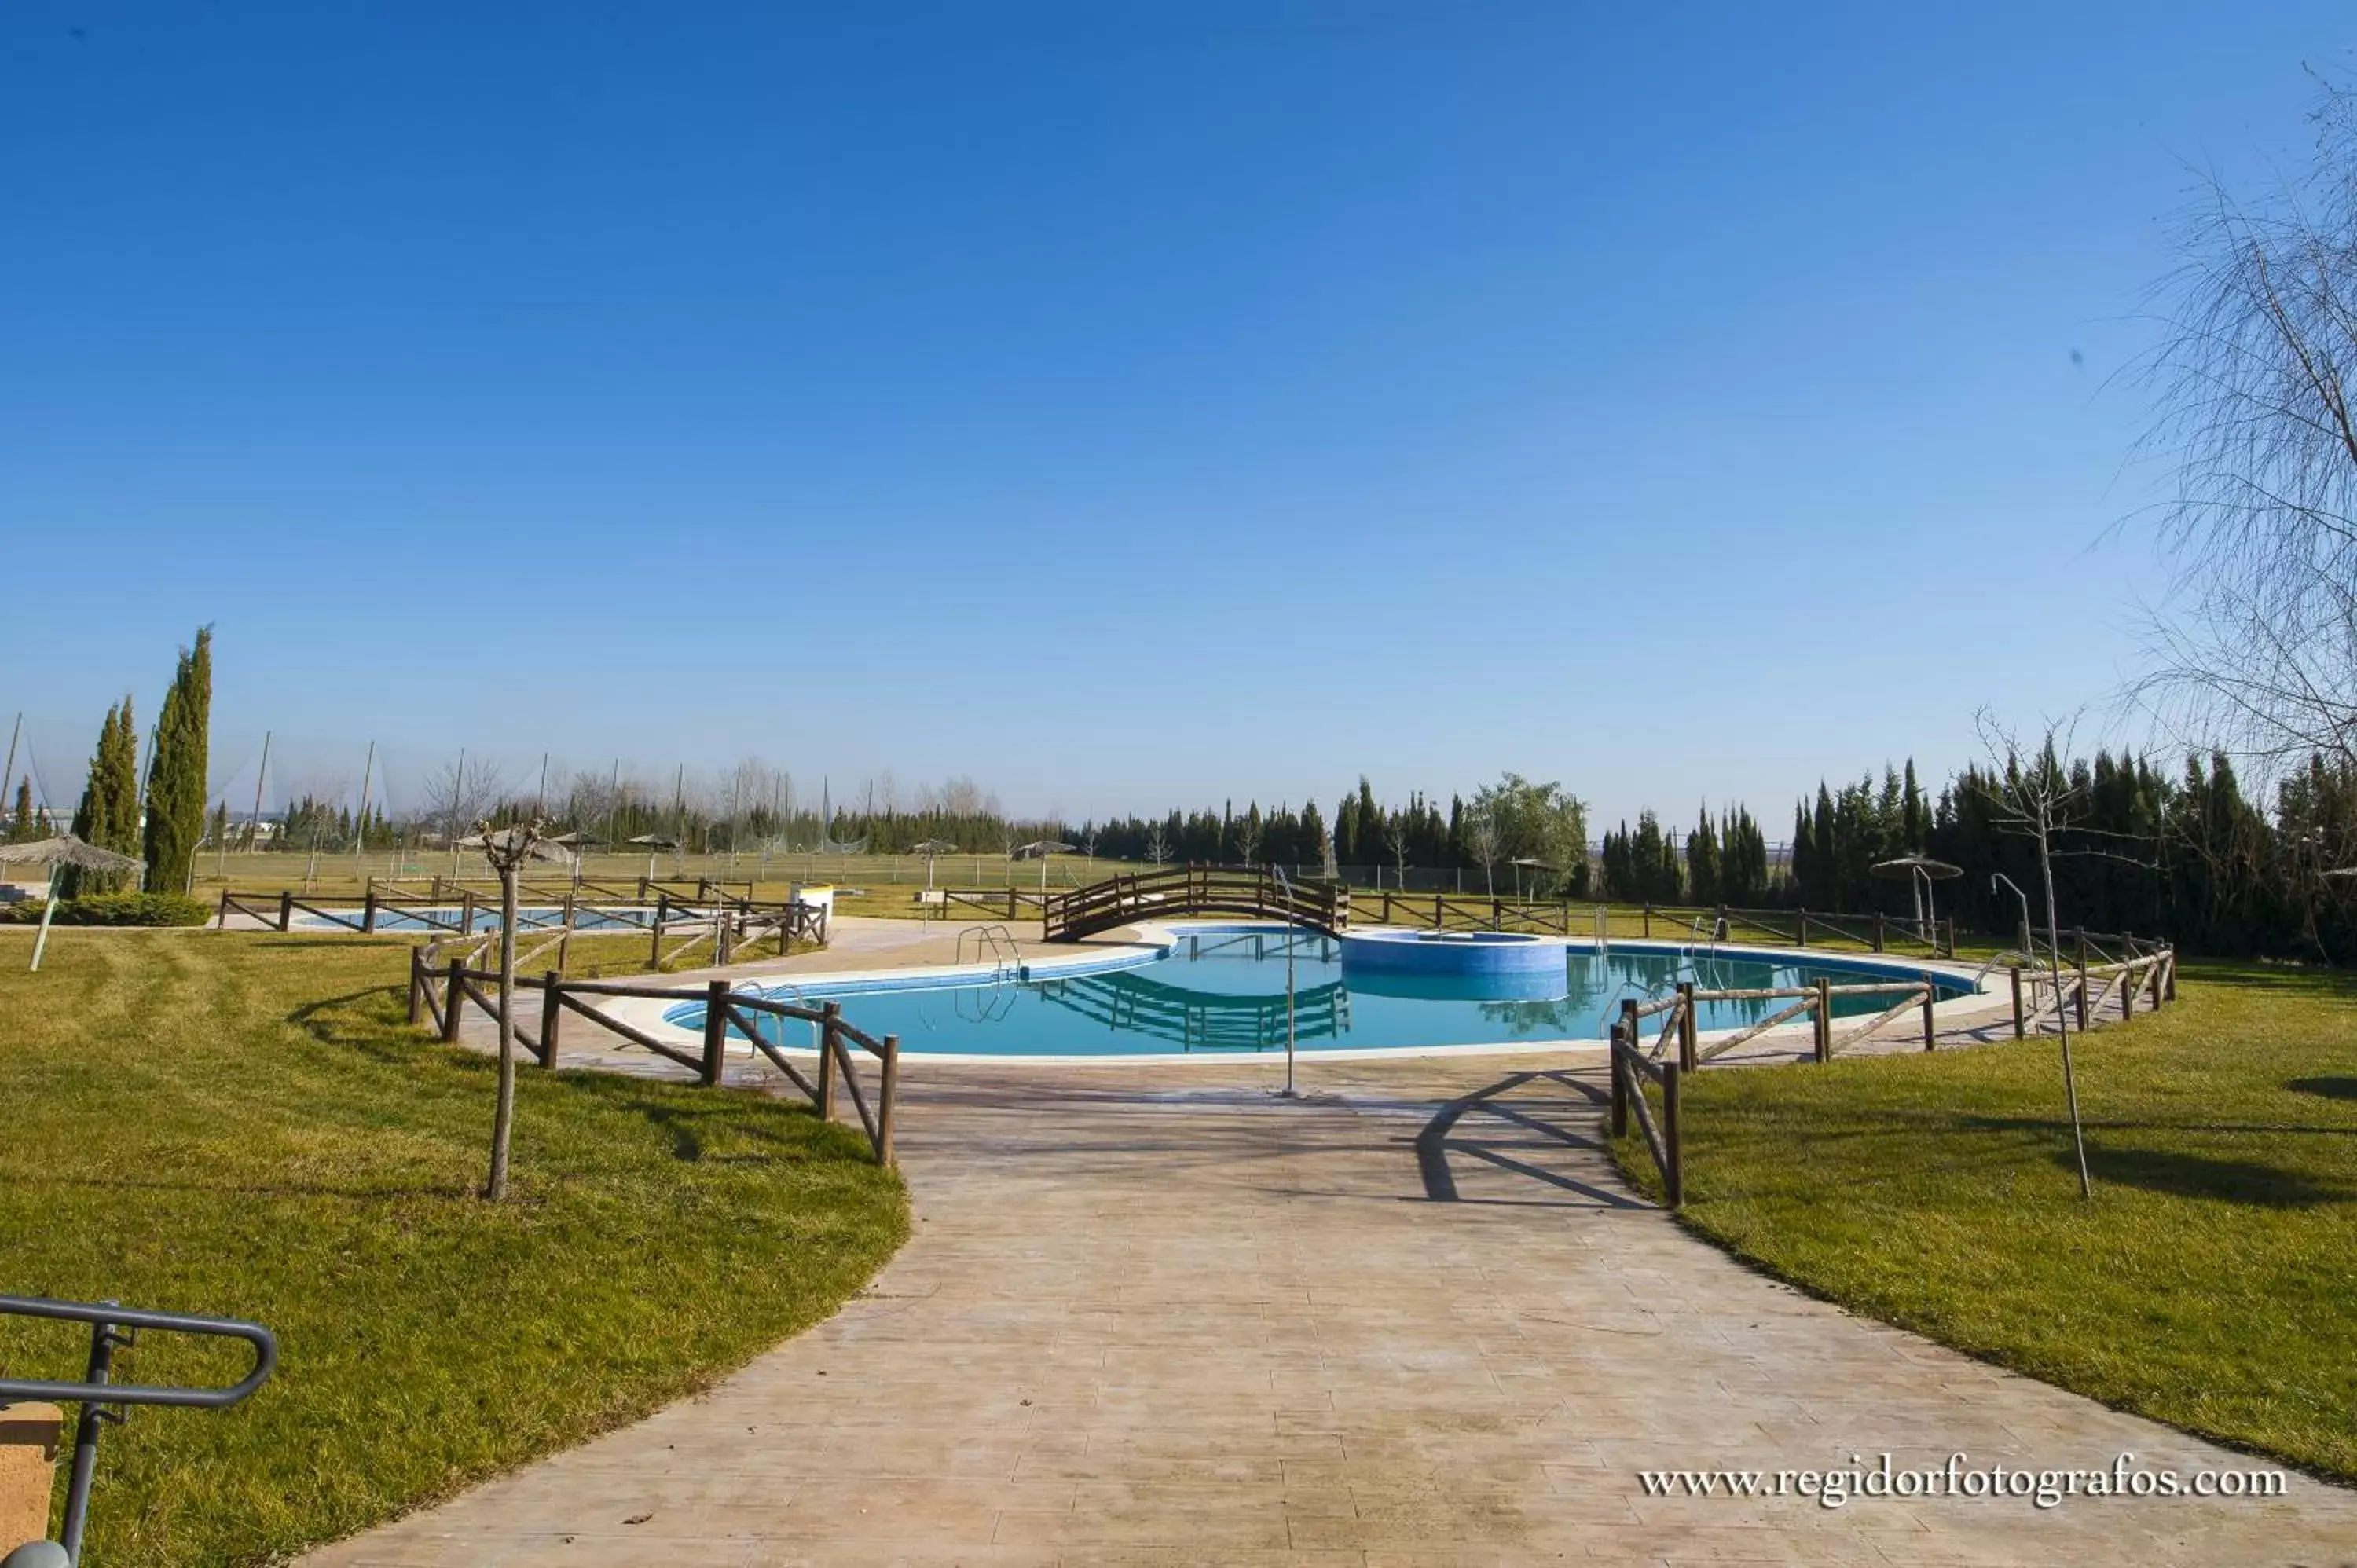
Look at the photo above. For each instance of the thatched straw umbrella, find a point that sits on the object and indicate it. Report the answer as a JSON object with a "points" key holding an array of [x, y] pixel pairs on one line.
{"points": [[63, 850], [652, 842], [932, 849]]}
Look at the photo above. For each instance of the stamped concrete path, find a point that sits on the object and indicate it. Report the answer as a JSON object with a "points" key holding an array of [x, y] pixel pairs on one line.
{"points": [[1161, 1315]]}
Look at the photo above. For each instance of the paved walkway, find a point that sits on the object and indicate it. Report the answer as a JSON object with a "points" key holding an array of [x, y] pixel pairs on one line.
{"points": [[1162, 1316]]}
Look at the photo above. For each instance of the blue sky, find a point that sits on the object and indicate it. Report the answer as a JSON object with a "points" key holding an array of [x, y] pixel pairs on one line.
{"points": [[1122, 405]]}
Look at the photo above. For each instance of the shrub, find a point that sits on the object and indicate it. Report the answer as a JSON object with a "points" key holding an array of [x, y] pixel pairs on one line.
{"points": [[116, 909]]}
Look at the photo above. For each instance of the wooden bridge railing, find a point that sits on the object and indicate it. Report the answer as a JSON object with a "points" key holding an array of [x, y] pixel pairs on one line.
{"points": [[1253, 891], [440, 993]]}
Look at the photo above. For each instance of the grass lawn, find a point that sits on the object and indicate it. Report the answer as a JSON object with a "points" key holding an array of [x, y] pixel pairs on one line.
{"points": [[2213, 1281], [241, 1124]]}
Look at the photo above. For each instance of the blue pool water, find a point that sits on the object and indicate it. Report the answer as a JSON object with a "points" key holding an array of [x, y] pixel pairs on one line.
{"points": [[1223, 993]]}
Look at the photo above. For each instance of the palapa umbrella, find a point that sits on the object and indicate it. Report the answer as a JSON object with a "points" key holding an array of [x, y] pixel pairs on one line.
{"points": [[652, 842], [1534, 862], [1039, 849], [1923, 871], [63, 850], [930, 849], [577, 838]]}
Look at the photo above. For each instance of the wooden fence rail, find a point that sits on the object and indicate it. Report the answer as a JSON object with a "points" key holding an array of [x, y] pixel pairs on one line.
{"points": [[2149, 977], [439, 994]]}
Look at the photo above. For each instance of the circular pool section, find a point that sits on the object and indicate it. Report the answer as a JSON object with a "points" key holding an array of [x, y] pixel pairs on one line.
{"points": [[1229, 990], [1516, 958]]}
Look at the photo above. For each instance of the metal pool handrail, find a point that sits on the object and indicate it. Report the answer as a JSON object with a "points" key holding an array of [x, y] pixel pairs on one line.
{"points": [[113, 1327]]}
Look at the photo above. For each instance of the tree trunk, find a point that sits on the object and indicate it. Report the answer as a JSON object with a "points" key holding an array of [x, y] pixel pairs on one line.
{"points": [[503, 1117], [2061, 1014]]}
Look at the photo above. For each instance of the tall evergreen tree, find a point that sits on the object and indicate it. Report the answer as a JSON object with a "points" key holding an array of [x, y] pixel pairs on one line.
{"points": [[175, 784], [109, 813], [24, 822], [1702, 881]]}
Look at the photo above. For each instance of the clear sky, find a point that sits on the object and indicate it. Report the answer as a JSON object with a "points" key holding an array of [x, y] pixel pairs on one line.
{"points": [[1122, 404]]}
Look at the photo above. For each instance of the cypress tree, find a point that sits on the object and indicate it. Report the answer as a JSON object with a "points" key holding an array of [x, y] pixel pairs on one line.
{"points": [[1702, 878], [23, 825], [175, 788], [109, 813]]}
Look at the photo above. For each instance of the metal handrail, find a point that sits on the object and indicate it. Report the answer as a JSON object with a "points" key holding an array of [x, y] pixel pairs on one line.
{"points": [[1004, 952], [107, 1314], [112, 1328]]}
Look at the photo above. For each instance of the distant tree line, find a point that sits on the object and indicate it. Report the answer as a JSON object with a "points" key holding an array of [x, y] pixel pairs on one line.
{"points": [[2193, 857]]}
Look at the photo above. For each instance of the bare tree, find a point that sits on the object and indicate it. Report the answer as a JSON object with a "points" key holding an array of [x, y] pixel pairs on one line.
{"points": [[2255, 418], [1158, 845], [507, 850], [459, 793], [2036, 801], [1482, 837], [1396, 834], [1247, 834]]}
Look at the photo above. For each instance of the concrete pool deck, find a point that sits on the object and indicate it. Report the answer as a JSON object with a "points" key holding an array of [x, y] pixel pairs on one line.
{"points": [[1160, 1315]]}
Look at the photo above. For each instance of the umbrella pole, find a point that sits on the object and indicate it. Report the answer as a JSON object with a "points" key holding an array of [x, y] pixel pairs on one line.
{"points": [[49, 907]]}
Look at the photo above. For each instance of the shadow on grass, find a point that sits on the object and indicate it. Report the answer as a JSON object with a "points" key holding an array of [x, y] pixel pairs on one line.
{"points": [[2200, 1176], [2330, 1088]]}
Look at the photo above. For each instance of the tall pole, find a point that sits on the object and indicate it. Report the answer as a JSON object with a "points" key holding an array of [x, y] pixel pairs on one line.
{"points": [[8, 774], [540, 801], [613, 801], [253, 827], [360, 832], [458, 788]]}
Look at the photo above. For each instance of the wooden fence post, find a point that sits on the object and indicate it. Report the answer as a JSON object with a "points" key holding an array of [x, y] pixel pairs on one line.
{"points": [[1805, 928], [1674, 1180], [654, 951], [885, 1097], [368, 912], [1686, 1025], [828, 1040], [2168, 977], [1620, 1088], [286, 911], [715, 1031], [416, 988], [565, 942], [1439, 913], [222, 922], [1648, 917], [1930, 1033], [721, 930], [2082, 1000], [451, 999], [2128, 991], [467, 911], [1878, 931], [2020, 1023], [1823, 1015], [552, 1008], [1010, 901]]}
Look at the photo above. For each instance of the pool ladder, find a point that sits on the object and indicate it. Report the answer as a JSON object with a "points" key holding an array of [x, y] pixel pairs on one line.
{"points": [[998, 944]]}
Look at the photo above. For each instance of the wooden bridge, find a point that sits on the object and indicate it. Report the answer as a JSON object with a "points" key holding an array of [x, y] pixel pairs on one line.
{"points": [[1255, 892]]}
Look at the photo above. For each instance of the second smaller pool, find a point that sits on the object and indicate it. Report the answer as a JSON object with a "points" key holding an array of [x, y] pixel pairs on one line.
{"points": [[1502, 956]]}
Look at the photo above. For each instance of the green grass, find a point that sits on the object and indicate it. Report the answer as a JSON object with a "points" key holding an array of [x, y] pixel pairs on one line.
{"points": [[242, 1125], [2213, 1281]]}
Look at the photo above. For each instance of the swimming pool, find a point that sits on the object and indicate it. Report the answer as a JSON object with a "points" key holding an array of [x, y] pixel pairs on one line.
{"points": [[1222, 991]]}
